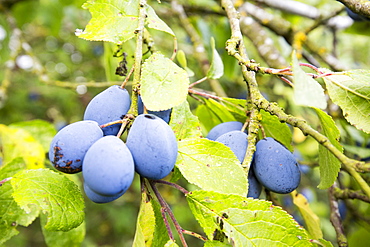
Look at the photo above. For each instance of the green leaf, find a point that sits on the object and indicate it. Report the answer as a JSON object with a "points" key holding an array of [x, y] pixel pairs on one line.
{"points": [[307, 91], [150, 228], [246, 221], [17, 142], [72, 238], [184, 123], [211, 166], [216, 69], [51, 192], [113, 21], [213, 243], [11, 215], [277, 130], [325, 243], [206, 117], [154, 22], [360, 152], [116, 21], [41, 130], [170, 243], [163, 83], [237, 107], [350, 90], [329, 164], [312, 221]]}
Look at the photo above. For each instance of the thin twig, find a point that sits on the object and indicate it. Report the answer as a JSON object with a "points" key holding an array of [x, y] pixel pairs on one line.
{"points": [[335, 218], [168, 210], [176, 186]]}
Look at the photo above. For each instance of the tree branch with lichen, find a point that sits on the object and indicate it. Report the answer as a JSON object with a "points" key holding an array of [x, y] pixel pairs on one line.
{"points": [[235, 48]]}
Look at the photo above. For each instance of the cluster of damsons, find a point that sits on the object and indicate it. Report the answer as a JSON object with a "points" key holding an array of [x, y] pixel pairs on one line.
{"points": [[273, 166], [108, 163]]}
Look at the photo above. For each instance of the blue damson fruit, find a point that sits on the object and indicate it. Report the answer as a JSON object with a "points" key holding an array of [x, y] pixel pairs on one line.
{"points": [[108, 167], [237, 141], [153, 146], [69, 146], [223, 128], [165, 115], [110, 105], [97, 198], [275, 166]]}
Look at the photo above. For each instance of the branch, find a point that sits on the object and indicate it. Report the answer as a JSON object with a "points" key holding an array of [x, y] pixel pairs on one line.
{"points": [[361, 7], [235, 47], [335, 219], [199, 49], [350, 194], [294, 7]]}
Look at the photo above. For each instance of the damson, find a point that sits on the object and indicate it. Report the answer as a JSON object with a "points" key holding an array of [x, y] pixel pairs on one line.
{"points": [[275, 166], [97, 198], [165, 115], [153, 146], [70, 144], [237, 141], [108, 167], [223, 128], [108, 106]]}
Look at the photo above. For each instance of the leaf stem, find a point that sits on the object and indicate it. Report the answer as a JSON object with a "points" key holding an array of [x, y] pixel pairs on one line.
{"points": [[166, 209], [176, 186], [5, 180]]}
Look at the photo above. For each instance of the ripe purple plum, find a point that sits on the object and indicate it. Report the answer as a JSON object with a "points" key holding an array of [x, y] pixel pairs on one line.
{"points": [[223, 128], [237, 141], [108, 167], [153, 146], [110, 105], [275, 166], [69, 146]]}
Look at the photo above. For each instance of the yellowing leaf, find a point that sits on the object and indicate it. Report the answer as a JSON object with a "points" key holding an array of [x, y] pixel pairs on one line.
{"points": [[17, 142], [310, 218], [150, 228]]}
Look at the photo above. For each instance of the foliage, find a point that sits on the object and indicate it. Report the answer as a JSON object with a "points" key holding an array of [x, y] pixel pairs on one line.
{"points": [[194, 57]]}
